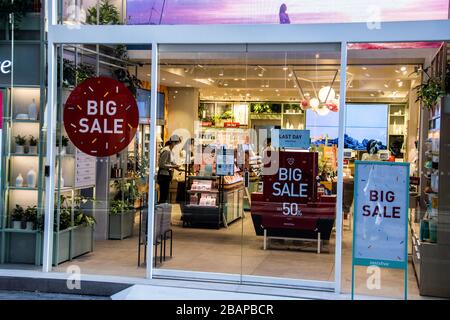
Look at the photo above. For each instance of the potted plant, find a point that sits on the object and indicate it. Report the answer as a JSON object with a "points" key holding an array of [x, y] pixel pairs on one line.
{"points": [[64, 144], [83, 231], [30, 217], [20, 144], [17, 217], [430, 91], [32, 145], [108, 14], [121, 219]]}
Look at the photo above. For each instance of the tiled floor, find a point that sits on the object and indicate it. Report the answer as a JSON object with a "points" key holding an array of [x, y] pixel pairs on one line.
{"points": [[237, 250]]}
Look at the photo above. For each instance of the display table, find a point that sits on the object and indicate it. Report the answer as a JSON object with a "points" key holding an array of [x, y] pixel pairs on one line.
{"points": [[316, 217], [229, 206]]}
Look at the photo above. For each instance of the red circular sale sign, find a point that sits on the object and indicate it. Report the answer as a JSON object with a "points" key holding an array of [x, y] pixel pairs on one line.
{"points": [[101, 116]]}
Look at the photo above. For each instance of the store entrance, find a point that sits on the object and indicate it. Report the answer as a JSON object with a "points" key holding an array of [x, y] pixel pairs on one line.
{"points": [[232, 105], [246, 161]]}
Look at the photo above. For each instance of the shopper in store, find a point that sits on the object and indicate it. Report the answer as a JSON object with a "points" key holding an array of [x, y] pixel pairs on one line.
{"points": [[372, 151], [166, 167], [284, 17]]}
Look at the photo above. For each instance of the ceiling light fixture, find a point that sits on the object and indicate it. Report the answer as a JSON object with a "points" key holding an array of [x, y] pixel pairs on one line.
{"points": [[403, 68]]}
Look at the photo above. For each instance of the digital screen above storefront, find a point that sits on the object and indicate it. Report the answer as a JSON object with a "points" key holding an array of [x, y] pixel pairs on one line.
{"points": [[170, 12]]}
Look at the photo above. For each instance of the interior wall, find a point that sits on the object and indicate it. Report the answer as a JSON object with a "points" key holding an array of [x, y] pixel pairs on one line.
{"points": [[183, 109]]}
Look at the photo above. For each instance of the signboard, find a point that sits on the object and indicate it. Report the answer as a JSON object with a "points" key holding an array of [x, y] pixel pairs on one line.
{"points": [[281, 12], [101, 117], [294, 139], [294, 182], [381, 196], [26, 60], [231, 124], [225, 162], [85, 169]]}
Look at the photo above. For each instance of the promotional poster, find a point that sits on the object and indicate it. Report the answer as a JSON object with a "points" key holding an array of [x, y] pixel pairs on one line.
{"points": [[381, 213]]}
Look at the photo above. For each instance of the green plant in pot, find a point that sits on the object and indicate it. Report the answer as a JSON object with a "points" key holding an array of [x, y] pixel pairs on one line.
{"points": [[80, 218], [84, 71], [17, 217], [33, 142], [61, 145], [30, 217], [120, 207], [20, 144], [430, 91], [107, 14]]}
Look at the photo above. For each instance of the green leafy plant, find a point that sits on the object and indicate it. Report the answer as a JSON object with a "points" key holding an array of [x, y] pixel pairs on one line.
{"points": [[122, 74], [259, 108], [20, 140], [33, 141], [64, 141], [430, 91], [84, 71], [108, 14], [17, 213], [30, 214], [75, 74], [69, 73], [227, 115], [119, 207], [81, 219]]}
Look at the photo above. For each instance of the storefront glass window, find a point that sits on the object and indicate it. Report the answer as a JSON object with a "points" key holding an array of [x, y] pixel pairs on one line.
{"points": [[101, 165], [22, 96], [392, 123], [255, 191]]}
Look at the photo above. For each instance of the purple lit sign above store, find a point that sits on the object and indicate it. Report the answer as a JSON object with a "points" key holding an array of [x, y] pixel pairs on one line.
{"points": [[170, 12]]}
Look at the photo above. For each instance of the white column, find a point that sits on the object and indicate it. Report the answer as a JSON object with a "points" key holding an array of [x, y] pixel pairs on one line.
{"points": [[152, 159], [50, 158], [340, 182]]}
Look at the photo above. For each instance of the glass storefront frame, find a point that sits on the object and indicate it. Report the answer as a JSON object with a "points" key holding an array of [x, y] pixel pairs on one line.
{"points": [[210, 35]]}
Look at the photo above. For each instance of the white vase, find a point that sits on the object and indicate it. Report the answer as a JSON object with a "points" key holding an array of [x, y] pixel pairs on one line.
{"points": [[19, 180], [30, 225], [31, 178], [20, 149], [17, 224], [61, 151], [32, 110], [32, 149]]}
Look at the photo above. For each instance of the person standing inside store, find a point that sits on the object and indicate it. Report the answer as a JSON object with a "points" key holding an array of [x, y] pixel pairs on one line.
{"points": [[284, 17], [166, 167]]}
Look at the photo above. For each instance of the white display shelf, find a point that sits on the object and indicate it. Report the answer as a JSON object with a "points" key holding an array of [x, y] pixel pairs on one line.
{"points": [[22, 188], [203, 191], [23, 155], [25, 121]]}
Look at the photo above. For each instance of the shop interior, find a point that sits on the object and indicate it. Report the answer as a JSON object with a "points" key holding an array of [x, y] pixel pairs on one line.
{"points": [[212, 96]]}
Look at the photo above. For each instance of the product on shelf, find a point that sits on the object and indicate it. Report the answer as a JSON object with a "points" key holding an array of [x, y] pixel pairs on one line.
{"points": [[202, 185]]}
